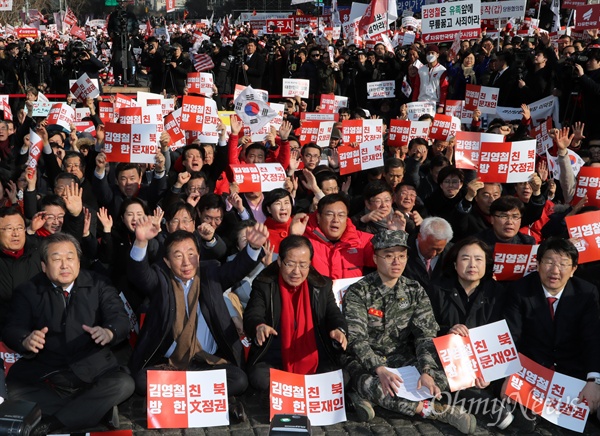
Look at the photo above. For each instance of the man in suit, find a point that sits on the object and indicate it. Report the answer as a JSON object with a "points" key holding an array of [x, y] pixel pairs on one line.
{"points": [[505, 78], [426, 252], [63, 322], [554, 317], [254, 66]]}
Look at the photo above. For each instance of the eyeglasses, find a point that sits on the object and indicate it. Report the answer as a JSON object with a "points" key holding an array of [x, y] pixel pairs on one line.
{"points": [[197, 189], [408, 194], [550, 264], [185, 221], [331, 215], [505, 217], [55, 217], [72, 166], [312, 156], [390, 258], [315, 55], [17, 229], [293, 265], [380, 202]]}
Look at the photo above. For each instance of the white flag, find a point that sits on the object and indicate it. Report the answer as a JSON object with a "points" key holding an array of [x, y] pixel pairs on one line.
{"points": [[253, 111]]}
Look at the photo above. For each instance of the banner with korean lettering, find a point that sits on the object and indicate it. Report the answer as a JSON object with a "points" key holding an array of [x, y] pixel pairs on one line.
{"points": [[135, 143], [514, 261], [319, 396], [585, 229], [484, 98], [318, 116], [588, 183], [142, 115], [506, 162], [281, 26], [457, 109], [383, 89], [402, 131], [200, 83], [540, 110], [368, 135], [61, 115], [200, 114], [587, 17], [441, 22], [543, 139], [107, 112], [187, 399], [417, 108], [316, 131], [173, 128], [331, 103], [261, 177], [294, 87], [444, 127], [467, 148], [549, 394], [121, 100], [84, 88], [489, 352], [503, 9]]}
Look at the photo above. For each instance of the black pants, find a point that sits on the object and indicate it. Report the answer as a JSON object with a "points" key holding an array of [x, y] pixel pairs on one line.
{"points": [[260, 374], [74, 403], [237, 381]]}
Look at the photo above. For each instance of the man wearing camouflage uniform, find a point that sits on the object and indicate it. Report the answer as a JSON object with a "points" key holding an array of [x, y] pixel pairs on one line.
{"points": [[391, 324]]}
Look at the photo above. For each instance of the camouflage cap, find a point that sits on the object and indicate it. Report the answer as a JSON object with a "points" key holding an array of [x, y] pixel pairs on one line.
{"points": [[390, 238]]}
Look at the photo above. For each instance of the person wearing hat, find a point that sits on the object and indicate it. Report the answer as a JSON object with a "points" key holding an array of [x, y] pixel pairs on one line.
{"points": [[432, 80], [391, 324]]}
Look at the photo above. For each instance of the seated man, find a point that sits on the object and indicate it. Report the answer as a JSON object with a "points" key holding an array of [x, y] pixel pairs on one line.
{"points": [[63, 322], [289, 293], [391, 324], [174, 337], [554, 318], [506, 214], [378, 208]]}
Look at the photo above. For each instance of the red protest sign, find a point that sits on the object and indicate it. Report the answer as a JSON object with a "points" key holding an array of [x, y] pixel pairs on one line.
{"points": [[258, 177], [588, 183], [172, 126], [35, 150], [540, 133], [587, 17], [514, 261], [86, 127], [180, 399], [309, 132], [444, 127], [281, 26], [330, 103], [123, 101], [506, 162], [468, 147], [130, 143], [107, 113], [27, 32], [368, 134], [402, 131], [9, 356], [484, 98], [586, 229], [201, 114], [62, 115]]}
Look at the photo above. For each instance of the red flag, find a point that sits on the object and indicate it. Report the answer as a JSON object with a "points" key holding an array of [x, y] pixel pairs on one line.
{"points": [[225, 29], [78, 32], [203, 62], [376, 7], [149, 29], [70, 17], [185, 14]]}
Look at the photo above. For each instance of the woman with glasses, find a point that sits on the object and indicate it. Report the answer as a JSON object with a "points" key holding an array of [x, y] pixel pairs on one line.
{"points": [[292, 317], [447, 194]]}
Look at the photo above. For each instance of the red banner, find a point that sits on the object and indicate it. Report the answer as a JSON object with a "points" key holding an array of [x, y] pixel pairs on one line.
{"points": [[588, 183], [507, 162], [444, 127], [403, 131], [514, 261], [586, 229]]}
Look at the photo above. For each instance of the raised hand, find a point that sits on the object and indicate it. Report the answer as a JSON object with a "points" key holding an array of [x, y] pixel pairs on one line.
{"points": [[182, 178], [145, 230], [285, 130], [298, 224], [74, 199], [105, 219], [87, 222], [206, 232], [257, 235], [101, 163]]}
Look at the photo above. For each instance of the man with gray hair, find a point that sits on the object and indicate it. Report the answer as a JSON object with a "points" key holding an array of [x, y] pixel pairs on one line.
{"points": [[426, 252]]}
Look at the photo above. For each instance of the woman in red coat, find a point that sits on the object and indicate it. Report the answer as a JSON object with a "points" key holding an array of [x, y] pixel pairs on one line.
{"points": [[277, 207]]}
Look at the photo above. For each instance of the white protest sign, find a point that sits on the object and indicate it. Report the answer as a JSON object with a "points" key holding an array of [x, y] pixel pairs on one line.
{"points": [[382, 89], [417, 108], [294, 87], [87, 85], [84, 88]]}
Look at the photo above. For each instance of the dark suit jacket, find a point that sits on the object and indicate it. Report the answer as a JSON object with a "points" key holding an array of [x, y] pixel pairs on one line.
{"points": [[571, 343], [256, 69], [415, 267], [37, 304], [508, 96]]}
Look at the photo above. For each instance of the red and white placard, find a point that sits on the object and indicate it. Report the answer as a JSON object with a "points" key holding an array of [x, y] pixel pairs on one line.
{"points": [[84, 88], [489, 352], [200, 114], [187, 399], [331, 103], [540, 133], [294, 87], [131, 143], [402, 131], [173, 128], [122, 100], [281, 26], [318, 396], [506, 162], [262, 177], [107, 112], [444, 127], [61, 115], [585, 228], [85, 127], [587, 17], [484, 98], [368, 134], [588, 183], [468, 147], [382, 89], [200, 83], [318, 132], [441, 22], [8, 356], [514, 261], [457, 109], [35, 150], [5, 107]]}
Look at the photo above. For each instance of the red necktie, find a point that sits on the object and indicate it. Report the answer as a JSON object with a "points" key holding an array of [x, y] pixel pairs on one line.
{"points": [[428, 266], [66, 295], [551, 301]]}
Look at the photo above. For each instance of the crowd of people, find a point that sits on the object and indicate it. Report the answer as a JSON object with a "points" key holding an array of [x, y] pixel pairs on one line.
{"points": [[89, 247]]}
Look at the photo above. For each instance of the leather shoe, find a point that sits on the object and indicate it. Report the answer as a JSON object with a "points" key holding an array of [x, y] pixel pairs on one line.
{"points": [[237, 413], [111, 419], [48, 424]]}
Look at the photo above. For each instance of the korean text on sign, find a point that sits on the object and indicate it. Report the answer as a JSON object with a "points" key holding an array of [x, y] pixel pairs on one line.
{"points": [[588, 183], [514, 261], [507, 162], [584, 230]]}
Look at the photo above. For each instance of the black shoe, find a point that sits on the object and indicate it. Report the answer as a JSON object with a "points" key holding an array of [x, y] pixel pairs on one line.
{"points": [[111, 419], [237, 413], [48, 424], [525, 421]]}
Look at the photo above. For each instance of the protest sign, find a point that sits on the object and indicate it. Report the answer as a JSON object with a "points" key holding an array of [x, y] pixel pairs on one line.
{"points": [[441, 22], [339, 288], [417, 108], [368, 134], [173, 128], [331, 103], [35, 150], [319, 116], [107, 112], [61, 114], [41, 109], [457, 109], [5, 107], [489, 352], [506, 162], [122, 101], [200, 83], [318, 396], [540, 110], [402, 131], [81, 113], [200, 114], [543, 139], [6, 5], [294, 87], [468, 145], [503, 9], [85, 127], [514, 261], [130, 143], [383, 89], [84, 87], [549, 394], [318, 132], [260, 177], [588, 183], [187, 399], [281, 26], [8, 356], [587, 17], [484, 98], [444, 127], [142, 115], [586, 229]]}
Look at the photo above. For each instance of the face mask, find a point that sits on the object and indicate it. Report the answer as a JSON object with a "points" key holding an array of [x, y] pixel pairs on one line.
{"points": [[431, 57]]}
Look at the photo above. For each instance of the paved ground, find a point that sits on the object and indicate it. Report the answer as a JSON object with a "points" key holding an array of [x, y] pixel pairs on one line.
{"points": [[133, 416]]}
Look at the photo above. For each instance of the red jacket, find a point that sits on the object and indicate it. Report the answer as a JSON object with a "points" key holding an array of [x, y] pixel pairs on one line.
{"points": [[344, 259]]}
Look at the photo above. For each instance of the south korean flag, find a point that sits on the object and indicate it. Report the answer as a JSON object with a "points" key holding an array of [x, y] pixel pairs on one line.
{"points": [[252, 110]]}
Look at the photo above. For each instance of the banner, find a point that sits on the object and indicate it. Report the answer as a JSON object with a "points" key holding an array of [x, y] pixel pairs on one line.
{"points": [[503, 9], [549, 394], [131, 143], [319, 396], [262, 177], [61, 115], [368, 134], [200, 114], [173, 128], [586, 229], [35, 150], [384, 89], [441, 22], [187, 399], [200, 83], [468, 146], [27, 32], [587, 17], [5, 107], [489, 352], [281, 26], [417, 108], [331, 103], [484, 98], [294, 87], [588, 183], [318, 132], [170, 4], [319, 116], [506, 162], [514, 261], [444, 127], [401, 132], [540, 110]]}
